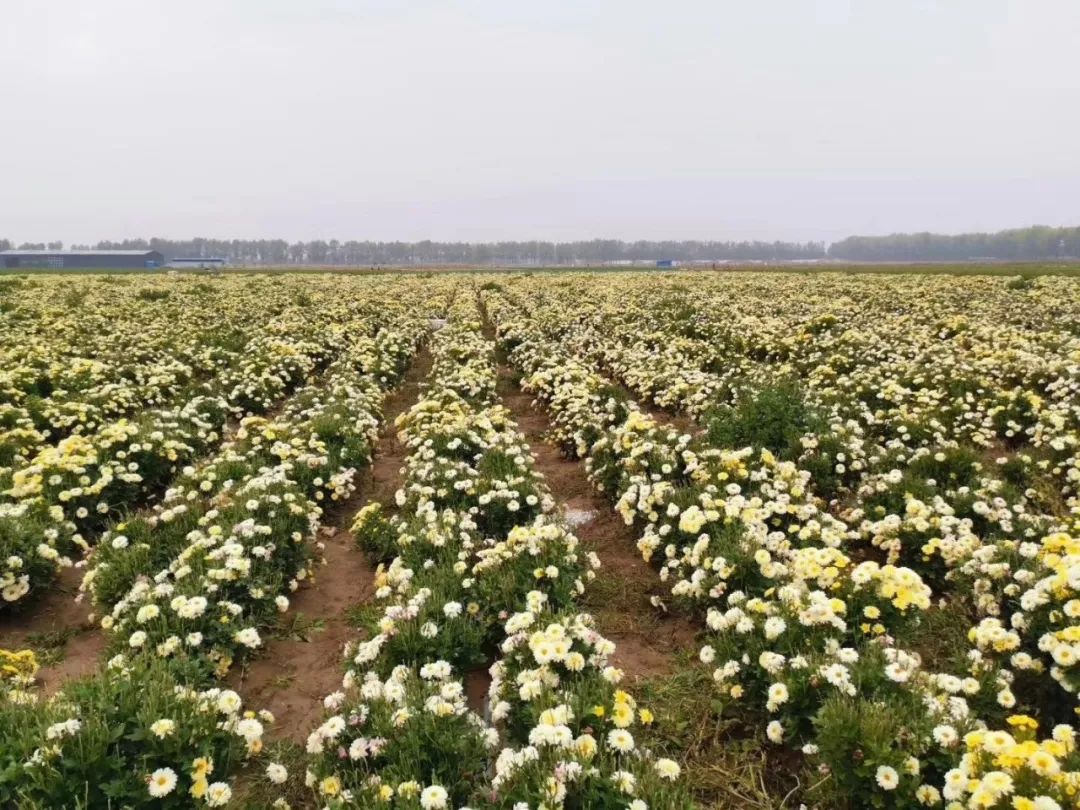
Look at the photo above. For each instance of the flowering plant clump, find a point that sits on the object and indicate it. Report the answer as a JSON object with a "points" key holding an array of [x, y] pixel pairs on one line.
{"points": [[1014, 769], [1032, 628], [17, 669], [380, 735], [557, 697], [133, 734]]}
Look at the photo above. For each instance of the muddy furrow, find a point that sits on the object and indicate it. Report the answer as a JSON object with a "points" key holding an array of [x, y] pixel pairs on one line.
{"points": [[58, 629], [301, 664]]}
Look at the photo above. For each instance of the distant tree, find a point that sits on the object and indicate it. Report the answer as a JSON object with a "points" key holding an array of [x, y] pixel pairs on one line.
{"points": [[317, 252], [1034, 243]]}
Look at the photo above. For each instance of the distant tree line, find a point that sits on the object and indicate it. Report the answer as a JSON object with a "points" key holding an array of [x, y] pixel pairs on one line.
{"points": [[333, 252], [1036, 242], [7, 244]]}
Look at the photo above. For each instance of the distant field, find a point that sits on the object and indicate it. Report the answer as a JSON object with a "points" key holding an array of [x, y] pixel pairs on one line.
{"points": [[496, 540], [962, 269]]}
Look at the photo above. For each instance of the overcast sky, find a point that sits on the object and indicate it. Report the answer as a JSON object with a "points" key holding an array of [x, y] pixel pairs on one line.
{"points": [[560, 119]]}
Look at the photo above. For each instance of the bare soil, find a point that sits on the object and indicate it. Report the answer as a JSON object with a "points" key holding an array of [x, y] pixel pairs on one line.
{"points": [[58, 629], [303, 663], [648, 641], [477, 684]]}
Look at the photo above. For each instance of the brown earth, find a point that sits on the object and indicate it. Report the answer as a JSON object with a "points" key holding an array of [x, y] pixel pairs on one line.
{"points": [[303, 663], [477, 684], [58, 629], [647, 640]]}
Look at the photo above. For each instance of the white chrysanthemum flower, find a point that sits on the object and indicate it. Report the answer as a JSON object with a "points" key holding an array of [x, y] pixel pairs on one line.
{"points": [[161, 782], [886, 777]]}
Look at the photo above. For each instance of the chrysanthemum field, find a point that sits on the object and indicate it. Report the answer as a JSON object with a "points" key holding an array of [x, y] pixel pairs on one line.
{"points": [[539, 540]]}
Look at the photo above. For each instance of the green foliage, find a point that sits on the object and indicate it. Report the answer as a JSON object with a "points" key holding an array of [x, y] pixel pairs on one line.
{"points": [[103, 757], [1022, 283], [724, 765], [948, 467], [856, 737], [74, 297], [821, 464], [772, 417], [375, 534], [1036, 242]]}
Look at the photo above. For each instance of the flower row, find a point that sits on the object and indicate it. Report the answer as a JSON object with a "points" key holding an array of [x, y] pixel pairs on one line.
{"points": [[477, 564]]}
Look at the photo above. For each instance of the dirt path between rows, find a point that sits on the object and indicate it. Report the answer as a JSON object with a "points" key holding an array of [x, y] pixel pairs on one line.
{"points": [[58, 629], [647, 640], [303, 663]]}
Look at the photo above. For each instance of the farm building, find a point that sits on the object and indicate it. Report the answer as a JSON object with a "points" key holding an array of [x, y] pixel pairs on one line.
{"points": [[202, 262], [63, 259]]}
